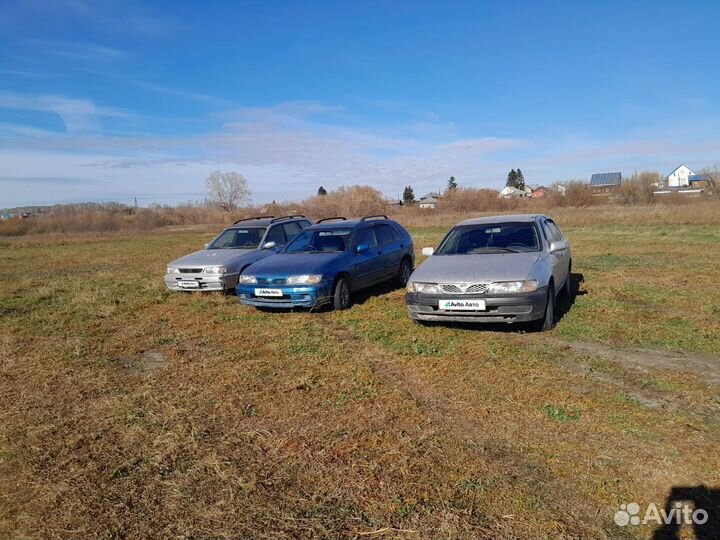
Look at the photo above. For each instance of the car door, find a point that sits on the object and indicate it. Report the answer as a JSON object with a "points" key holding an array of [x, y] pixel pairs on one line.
{"points": [[561, 258], [565, 254], [389, 242], [369, 266]]}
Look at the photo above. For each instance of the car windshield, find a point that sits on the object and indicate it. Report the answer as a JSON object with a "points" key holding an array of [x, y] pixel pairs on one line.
{"points": [[236, 238], [320, 241], [490, 238]]}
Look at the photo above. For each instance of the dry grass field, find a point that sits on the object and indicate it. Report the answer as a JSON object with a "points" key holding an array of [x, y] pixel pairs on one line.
{"points": [[128, 412]]}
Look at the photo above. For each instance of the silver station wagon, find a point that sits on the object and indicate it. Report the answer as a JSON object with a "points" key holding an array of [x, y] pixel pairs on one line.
{"points": [[501, 269], [217, 267]]}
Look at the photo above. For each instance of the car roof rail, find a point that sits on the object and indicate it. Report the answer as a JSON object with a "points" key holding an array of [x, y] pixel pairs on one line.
{"points": [[330, 219], [293, 216], [252, 218], [374, 216]]}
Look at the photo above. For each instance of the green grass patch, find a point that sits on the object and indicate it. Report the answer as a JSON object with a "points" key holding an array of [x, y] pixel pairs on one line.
{"points": [[560, 413]]}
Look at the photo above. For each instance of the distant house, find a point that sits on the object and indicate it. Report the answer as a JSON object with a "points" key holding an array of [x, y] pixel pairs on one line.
{"points": [[429, 200], [602, 183], [680, 177], [394, 203], [700, 181], [539, 192], [561, 189], [509, 192]]}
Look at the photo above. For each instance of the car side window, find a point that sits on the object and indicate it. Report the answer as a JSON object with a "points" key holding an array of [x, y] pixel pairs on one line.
{"points": [[303, 224], [367, 236], [556, 234], [385, 234], [546, 232], [276, 235], [291, 230]]}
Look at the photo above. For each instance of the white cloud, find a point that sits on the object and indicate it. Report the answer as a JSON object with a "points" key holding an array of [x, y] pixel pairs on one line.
{"points": [[78, 115], [178, 92], [87, 52], [288, 150], [25, 17]]}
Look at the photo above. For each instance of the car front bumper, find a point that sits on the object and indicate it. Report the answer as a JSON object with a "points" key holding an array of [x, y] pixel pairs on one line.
{"points": [[205, 282], [498, 309], [306, 296]]}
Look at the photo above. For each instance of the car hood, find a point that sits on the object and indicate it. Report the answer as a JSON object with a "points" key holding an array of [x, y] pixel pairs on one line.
{"points": [[211, 257], [485, 267], [297, 264]]}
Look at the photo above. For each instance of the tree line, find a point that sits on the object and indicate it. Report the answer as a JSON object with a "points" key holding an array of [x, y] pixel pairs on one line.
{"points": [[230, 190]]}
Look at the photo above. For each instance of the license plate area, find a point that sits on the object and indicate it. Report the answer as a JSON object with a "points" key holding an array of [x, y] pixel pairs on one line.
{"points": [[462, 305], [271, 293], [188, 284]]}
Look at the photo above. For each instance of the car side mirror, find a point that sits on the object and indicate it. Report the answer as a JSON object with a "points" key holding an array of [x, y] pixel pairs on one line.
{"points": [[269, 245], [428, 251], [362, 248], [206, 246], [558, 245]]}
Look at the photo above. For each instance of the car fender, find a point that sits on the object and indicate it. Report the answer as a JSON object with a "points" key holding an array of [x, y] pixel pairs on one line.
{"points": [[243, 261], [541, 270]]}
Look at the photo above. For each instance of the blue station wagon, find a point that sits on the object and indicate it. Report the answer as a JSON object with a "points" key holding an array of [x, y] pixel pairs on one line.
{"points": [[327, 262]]}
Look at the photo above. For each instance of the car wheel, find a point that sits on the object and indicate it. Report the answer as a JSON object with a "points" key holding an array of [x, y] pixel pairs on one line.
{"points": [[341, 296], [548, 321], [404, 273]]}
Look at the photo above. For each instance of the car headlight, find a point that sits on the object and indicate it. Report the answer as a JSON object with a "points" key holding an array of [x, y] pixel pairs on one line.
{"points": [[419, 287], [513, 287], [215, 270], [247, 280], [171, 270], [308, 279]]}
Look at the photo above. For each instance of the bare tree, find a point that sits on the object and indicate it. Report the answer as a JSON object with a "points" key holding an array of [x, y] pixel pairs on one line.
{"points": [[227, 190]]}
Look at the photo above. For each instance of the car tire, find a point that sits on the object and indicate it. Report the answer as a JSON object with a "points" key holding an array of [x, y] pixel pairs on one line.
{"points": [[404, 273], [548, 320], [341, 294]]}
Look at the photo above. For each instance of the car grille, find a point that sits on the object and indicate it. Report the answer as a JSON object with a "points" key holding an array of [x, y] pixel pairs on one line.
{"points": [[190, 270], [463, 288], [276, 281]]}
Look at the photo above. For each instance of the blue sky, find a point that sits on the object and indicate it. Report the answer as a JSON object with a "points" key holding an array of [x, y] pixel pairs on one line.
{"points": [[115, 99]]}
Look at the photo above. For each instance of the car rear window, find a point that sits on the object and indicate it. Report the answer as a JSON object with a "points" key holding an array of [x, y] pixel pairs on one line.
{"points": [[385, 234]]}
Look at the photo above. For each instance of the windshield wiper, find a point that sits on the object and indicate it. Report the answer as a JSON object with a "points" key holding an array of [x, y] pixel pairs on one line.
{"points": [[494, 248]]}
